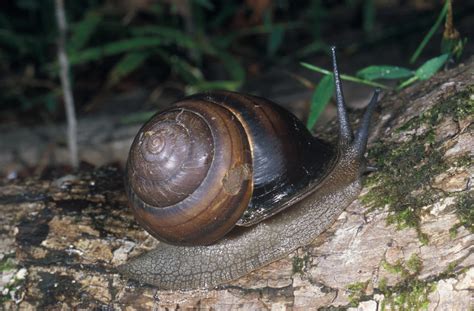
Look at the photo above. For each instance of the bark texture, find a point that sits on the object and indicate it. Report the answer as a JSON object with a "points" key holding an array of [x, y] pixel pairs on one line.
{"points": [[406, 243]]}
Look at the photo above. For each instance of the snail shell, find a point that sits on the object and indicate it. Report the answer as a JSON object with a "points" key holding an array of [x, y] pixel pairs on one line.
{"points": [[215, 160]]}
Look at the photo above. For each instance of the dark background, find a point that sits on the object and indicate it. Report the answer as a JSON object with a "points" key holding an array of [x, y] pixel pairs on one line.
{"points": [[139, 55]]}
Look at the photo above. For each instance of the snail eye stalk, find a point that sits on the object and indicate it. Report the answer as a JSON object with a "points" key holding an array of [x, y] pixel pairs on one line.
{"points": [[345, 131], [346, 136], [360, 142]]}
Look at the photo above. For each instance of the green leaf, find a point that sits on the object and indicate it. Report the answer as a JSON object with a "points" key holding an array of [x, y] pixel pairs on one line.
{"points": [[83, 31], [368, 12], [430, 67], [384, 72], [430, 33], [117, 47], [223, 15], [10, 39], [213, 85], [343, 76], [28, 4], [232, 66], [313, 47], [137, 117], [453, 46], [205, 3], [194, 77], [275, 40], [321, 96], [128, 63], [173, 36], [184, 69], [50, 102]]}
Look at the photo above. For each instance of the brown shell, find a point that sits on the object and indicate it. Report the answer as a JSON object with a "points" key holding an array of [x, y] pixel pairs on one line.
{"points": [[287, 159], [182, 189], [219, 159]]}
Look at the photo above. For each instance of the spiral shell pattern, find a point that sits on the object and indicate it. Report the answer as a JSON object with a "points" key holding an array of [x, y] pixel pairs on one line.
{"points": [[182, 189], [170, 159]]}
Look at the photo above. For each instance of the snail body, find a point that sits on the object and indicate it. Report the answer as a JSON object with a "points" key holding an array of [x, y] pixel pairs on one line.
{"points": [[280, 185]]}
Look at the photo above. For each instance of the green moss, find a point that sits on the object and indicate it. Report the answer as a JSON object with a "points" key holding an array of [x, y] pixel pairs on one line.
{"points": [[411, 294], [332, 308], [414, 264], [13, 290], [465, 210], [396, 268], [453, 232], [463, 161], [299, 263], [410, 268], [458, 106], [7, 263], [406, 169], [383, 285], [450, 269], [356, 291]]}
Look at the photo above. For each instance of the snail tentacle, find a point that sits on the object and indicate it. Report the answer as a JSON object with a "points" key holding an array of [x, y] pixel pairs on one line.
{"points": [[345, 131], [360, 141]]}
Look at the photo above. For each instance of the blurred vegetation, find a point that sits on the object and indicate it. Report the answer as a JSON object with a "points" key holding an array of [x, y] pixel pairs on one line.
{"points": [[202, 44], [452, 46]]}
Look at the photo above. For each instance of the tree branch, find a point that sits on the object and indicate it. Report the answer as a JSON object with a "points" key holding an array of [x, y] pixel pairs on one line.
{"points": [[66, 85]]}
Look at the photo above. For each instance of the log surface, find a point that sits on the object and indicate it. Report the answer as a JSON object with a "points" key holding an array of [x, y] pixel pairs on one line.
{"points": [[406, 242]]}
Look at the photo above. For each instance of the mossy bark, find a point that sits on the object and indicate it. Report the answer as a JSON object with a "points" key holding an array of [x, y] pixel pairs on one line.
{"points": [[406, 243]]}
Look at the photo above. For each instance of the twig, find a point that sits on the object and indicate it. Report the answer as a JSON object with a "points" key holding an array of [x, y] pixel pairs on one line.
{"points": [[66, 85]]}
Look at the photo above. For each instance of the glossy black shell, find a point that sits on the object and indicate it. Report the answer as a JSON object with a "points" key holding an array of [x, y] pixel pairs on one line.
{"points": [[287, 159]]}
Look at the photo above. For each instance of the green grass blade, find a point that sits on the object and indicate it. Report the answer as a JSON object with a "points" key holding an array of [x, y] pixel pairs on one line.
{"points": [[313, 47], [83, 31], [117, 47], [137, 117], [233, 67], [213, 85], [430, 33], [223, 15], [128, 63], [321, 96], [180, 66], [407, 82], [275, 40], [12, 40], [368, 17], [173, 36], [205, 4]]}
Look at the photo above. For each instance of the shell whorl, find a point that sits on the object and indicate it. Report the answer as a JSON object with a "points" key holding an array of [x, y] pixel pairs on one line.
{"points": [[170, 157], [182, 189]]}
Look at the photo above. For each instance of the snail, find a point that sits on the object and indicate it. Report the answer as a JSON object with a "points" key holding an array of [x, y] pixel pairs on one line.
{"points": [[231, 182]]}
